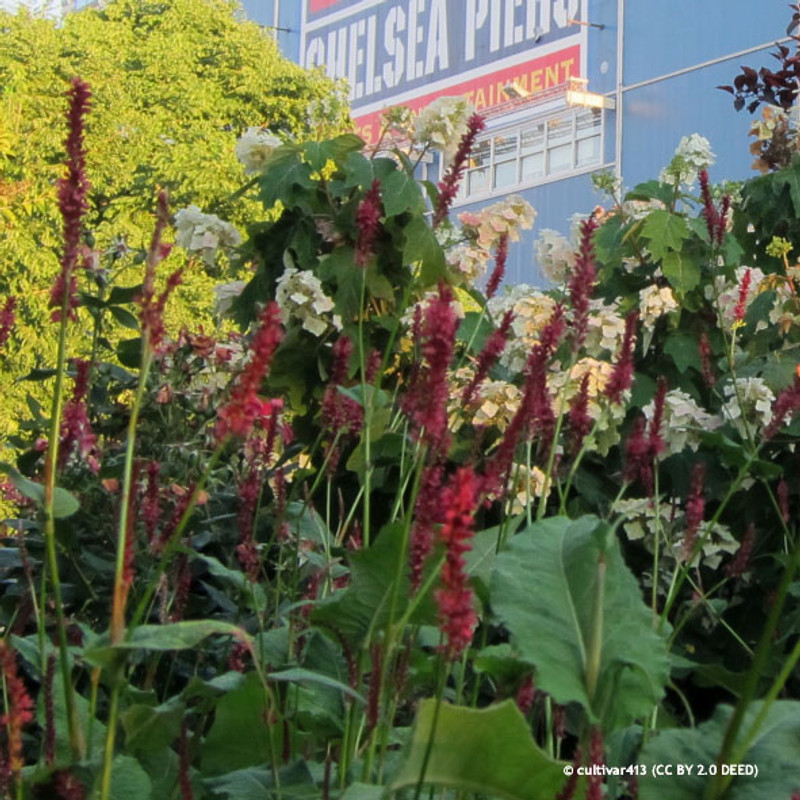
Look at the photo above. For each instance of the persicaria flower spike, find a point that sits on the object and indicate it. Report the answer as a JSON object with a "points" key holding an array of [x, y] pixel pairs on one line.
{"points": [[457, 618], [741, 304], [73, 189], [368, 221], [704, 346], [448, 186], [578, 418], [655, 440], [488, 356], [786, 404], [237, 416], [695, 508], [622, 376], [581, 283], [19, 708], [499, 271], [76, 430], [741, 561], [7, 318]]}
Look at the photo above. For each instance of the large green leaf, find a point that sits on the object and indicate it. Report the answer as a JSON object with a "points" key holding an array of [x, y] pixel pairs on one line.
{"points": [[177, 636], [774, 752], [682, 271], [556, 587], [487, 751], [64, 503], [400, 192], [665, 231], [240, 735], [421, 245], [129, 781]]}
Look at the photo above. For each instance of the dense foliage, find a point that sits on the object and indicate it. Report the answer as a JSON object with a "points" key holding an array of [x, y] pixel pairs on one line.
{"points": [[175, 84], [405, 535]]}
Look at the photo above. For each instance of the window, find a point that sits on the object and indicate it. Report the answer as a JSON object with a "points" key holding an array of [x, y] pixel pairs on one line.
{"points": [[532, 152]]}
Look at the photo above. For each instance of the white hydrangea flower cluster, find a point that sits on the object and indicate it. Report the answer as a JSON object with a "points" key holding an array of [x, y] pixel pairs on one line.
{"points": [[300, 297], [201, 233], [683, 422], [607, 416], [430, 296], [654, 302], [606, 327], [751, 398], [467, 262], [509, 217], [638, 209], [728, 294], [692, 155], [526, 484], [532, 310], [640, 525], [555, 254], [498, 401], [254, 148], [226, 294], [442, 123]]}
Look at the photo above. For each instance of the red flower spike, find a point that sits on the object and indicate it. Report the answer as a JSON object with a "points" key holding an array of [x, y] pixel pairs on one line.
{"points": [[741, 304], [448, 186], [19, 709], [622, 376], [578, 420], [499, 271], [457, 618], [695, 508], [184, 762], [427, 398], [488, 356], [704, 346], [525, 696], [67, 787], [237, 416], [571, 784], [638, 459], [76, 431], [741, 561], [427, 512], [709, 210], [786, 404], [783, 499], [7, 319], [594, 790], [73, 190], [581, 284], [368, 223]]}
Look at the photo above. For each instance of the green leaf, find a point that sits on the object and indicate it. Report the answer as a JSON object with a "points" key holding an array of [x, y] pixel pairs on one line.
{"points": [[363, 791], [318, 153], [362, 171], [124, 317], [149, 728], [128, 780], [665, 231], [240, 736], [124, 294], [300, 675], [485, 751], [652, 190], [773, 751], [129, 352], [421, 245], [176, 636], [682, 347], [546, 591], [64, 503], [682, 271], [734, 454], [400, 192]]}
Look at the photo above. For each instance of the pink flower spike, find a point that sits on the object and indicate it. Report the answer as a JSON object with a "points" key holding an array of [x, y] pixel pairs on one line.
{"points": [[448, 186], [237, 416], [695, 508], [487, 358], [457, 617], [368, 222], [499, 271], [622, 376], [581, 283], [73, 190], [741, 304], [655, 439], [7, 318], [786, 404]]}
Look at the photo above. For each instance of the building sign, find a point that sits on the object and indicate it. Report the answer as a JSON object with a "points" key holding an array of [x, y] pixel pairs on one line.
{"points": [[412, 51]]}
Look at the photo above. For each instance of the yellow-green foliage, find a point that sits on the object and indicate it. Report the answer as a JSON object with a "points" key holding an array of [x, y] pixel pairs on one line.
{"points": [[174, 83]]}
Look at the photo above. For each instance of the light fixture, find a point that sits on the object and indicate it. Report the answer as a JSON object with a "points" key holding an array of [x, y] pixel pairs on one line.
{"points": [[515, 92], [578, 96]]}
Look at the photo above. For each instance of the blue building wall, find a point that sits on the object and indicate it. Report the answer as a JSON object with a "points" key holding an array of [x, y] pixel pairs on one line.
{"points": [[659, 61], [288, 19]]}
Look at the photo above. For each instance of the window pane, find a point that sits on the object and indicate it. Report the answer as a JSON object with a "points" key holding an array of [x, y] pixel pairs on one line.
{"points": [[588, 123], [505, 147], [477, 180], [559, 158], [532, 166], [588, 151], [481, 154], [532, 139], [559, 129], [505, 174]]}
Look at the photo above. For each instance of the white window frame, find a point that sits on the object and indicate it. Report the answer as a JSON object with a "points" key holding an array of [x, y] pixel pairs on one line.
{"points": [[547, 176]]}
